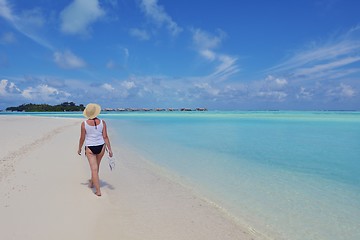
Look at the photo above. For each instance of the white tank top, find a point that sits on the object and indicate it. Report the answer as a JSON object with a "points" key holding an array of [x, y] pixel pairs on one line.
{"points": [[93, 135]]}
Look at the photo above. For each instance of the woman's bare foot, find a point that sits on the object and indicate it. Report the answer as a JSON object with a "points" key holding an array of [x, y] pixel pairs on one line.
{"points": [[98, 194], [91, 185]]}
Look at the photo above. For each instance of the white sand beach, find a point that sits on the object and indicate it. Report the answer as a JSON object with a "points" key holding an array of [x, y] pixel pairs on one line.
{"points": [[44, 192]]}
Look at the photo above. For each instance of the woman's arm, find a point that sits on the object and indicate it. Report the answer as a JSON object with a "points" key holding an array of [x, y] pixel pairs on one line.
{"points": [[82, 138], [106, 139]]}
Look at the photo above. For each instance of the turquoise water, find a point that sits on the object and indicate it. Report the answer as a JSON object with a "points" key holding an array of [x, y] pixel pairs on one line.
{"points": [[288, 175], [285, 174]]}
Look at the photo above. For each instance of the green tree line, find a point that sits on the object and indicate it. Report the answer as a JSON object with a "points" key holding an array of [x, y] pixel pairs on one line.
{"points": [[30, 107]]}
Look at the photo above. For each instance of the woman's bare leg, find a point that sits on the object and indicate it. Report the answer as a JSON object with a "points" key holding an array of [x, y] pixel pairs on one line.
{"points": [[94, 170], [99, 157]]}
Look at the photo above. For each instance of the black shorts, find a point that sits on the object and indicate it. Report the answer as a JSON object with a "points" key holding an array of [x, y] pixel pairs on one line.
{"points": [[96, 149]]}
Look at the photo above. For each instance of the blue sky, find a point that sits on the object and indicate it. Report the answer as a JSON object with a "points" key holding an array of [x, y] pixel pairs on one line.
{"points": [[226, 55]]}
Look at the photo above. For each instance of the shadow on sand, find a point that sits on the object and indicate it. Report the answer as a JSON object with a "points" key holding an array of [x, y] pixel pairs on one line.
{"points": [[103, 184]]}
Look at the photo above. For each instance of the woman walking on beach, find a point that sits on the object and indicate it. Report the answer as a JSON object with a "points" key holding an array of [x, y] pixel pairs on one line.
{"points": [[94, 134]]}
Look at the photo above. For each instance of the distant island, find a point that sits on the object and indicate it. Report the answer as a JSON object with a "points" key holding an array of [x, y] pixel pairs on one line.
{"points": [[63, 107]]}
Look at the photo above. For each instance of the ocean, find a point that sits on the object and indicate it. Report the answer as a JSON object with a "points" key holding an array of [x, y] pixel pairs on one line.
{"points": [[287, 175]]}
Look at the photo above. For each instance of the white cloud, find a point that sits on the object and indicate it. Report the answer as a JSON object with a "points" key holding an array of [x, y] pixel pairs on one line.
{"points": [[13, 87], [326, 67], [128, 85], [204, 40], [208, 54], [27, 24], [304, 94], [321, 61], [68, 60], [44, 92], [271, 88], [159, 16], [3, 85], [343, 90], [5, 11], [27, 93], [274, 95], [318, 54], [273, 82], [211, 90], [108, 87], [139, 34], [77, 17], [318, 72], [347, 90], [226, 68], [205, 44], [7, 87]]}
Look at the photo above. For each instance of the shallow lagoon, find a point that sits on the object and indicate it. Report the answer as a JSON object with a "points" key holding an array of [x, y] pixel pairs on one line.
{"points": [[285, 174]]}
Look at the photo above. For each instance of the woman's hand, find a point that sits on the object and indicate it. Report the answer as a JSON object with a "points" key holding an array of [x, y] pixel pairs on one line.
{"points": [[110, 153], [79, 152]]}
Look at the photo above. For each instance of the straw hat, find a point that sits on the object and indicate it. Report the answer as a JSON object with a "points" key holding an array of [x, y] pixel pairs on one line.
{"points": [[92, 110]]}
